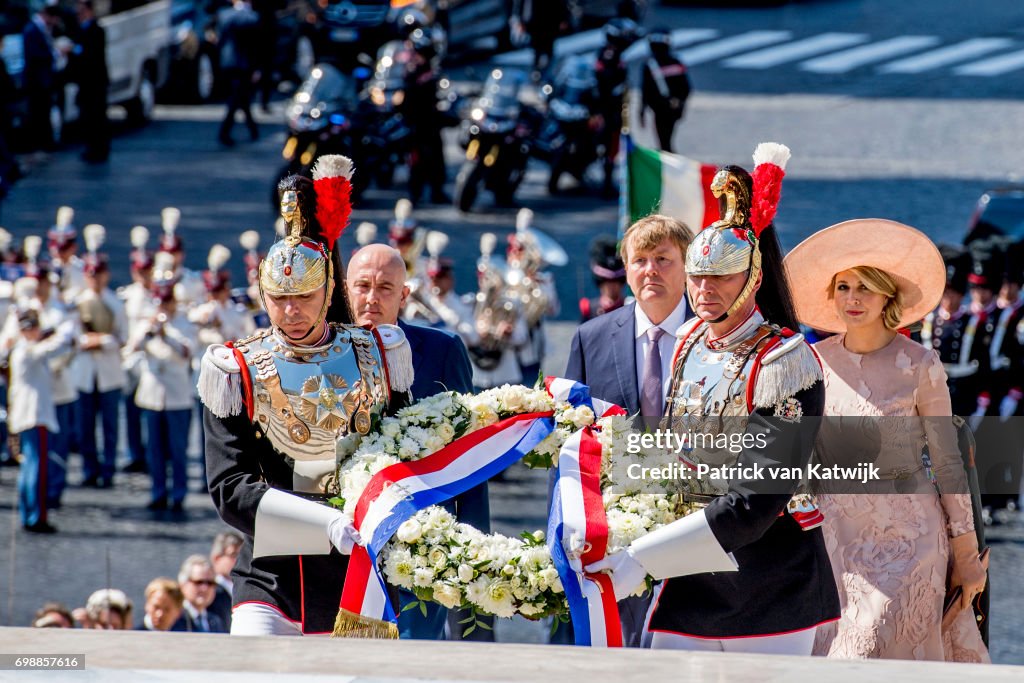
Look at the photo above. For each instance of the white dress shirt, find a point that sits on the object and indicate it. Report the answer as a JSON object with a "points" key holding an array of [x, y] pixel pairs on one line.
{"points": [[666, 345]]}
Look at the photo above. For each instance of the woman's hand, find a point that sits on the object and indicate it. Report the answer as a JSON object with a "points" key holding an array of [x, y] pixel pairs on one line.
{"points": [[969, 572]]}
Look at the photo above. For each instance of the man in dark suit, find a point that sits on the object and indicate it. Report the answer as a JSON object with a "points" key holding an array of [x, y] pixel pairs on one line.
{"points": [[89, 62], [238, 34], [39, 77], [198, 585], [376, 285], [612, 353]]}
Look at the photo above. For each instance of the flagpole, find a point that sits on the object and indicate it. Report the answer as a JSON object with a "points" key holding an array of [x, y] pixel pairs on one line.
{"points": [[625, 145]]}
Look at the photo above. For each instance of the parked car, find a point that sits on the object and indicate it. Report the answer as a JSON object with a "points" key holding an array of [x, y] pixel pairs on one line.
{"points": [[999, 212]]}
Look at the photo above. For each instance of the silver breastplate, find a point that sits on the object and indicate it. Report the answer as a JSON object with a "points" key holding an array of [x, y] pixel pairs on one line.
{"points": [[708, 400], [307, 398]]}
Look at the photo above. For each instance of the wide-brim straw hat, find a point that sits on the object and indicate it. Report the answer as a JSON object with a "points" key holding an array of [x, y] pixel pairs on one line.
{"points": [[900, 250]]}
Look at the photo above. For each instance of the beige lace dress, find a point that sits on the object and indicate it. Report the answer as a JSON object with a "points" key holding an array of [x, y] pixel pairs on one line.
{"points": [[889, 540]]}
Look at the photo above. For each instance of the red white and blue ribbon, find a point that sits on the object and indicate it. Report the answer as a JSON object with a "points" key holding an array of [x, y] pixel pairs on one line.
{"points": [[578, 530], [398, 492]]}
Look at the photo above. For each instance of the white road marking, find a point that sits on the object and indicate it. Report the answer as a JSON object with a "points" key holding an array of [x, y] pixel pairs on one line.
{"points": [[733, 44], [951, 54], [791, 52], [847, 60], [994, 66]]}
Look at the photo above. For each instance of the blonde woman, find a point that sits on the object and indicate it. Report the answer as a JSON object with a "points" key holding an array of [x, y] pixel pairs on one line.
{"points": [[893, 545]]}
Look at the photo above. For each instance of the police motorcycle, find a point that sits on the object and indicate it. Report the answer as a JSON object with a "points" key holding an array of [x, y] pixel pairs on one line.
{"points": [[498, 137], [567, 139], [324, 118], [387, 141]]}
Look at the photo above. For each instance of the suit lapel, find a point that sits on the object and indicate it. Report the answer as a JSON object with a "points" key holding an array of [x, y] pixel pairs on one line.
{"points": [[623, 343]]}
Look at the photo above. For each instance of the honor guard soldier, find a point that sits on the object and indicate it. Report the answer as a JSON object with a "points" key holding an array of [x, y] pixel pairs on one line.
{"points": [[749, 572], [280, 404], [138, 307], [984, 282], [407, 236], [943, 329], [529, 252], [98, 363], [610, 277], [666, 86], [62, 241], [1007, 358], [1007, 352], [190, 290]]}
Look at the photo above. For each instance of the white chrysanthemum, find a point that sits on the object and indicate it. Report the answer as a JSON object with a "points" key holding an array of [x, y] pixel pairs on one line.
{"points": [[408, 448], [398, 567], [476, 591], [529, 609], [498, 600], [391, 428], [423, 577], [410, 531]]}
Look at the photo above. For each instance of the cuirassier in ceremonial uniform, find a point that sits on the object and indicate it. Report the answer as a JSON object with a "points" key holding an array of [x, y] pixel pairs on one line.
{"points": [[748, 572], [281, 403]]}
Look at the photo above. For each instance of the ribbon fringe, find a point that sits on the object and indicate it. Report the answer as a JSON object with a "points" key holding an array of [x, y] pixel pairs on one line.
{"points": [[351, 625]]}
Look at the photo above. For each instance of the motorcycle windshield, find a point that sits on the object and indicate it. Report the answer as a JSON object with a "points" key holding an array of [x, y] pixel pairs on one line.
{"points": [[392, 63], [500, 97], [326, 89]]}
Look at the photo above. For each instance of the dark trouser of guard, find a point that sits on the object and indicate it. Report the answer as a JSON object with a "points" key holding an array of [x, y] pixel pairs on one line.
{"points": [[426, 165], [240, 89], [95, 125], [38, 128], [665, 125], [610, 138]]}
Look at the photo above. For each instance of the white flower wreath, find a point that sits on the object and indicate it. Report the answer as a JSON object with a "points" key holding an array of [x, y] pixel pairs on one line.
{"points": [[456, 565]]}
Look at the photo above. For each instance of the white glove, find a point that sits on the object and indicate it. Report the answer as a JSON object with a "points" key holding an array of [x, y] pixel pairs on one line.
{"points": [[342, 534], [628, 576]]}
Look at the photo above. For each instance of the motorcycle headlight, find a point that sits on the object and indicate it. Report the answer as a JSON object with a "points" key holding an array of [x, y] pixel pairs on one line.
{"points": [[377, 97], [477, 114], [398, 97]]}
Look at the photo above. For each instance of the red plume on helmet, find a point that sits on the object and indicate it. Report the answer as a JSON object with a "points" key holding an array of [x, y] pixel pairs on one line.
{"points": [[332, 178], [769, 168]]}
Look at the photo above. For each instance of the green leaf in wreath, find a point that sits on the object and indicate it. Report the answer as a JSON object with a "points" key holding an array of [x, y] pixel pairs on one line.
{"points": [[423, 608], [483, 625], [337, 502], [469, 630], [471, 617]]}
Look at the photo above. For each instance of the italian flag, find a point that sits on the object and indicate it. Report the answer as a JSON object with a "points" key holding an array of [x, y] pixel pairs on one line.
{"points": [[670, 184]]}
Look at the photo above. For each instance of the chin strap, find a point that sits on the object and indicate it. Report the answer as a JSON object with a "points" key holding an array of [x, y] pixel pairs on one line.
{"points": [[745, 293]]}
